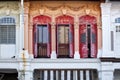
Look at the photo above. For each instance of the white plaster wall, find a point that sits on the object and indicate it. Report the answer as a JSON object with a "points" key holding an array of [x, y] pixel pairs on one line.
{"points": [[7, 51], [115, 13], [10, 9]]}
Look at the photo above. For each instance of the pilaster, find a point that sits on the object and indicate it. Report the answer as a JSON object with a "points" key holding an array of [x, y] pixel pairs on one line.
{"points": [[76, 38], [24, 70], [30, 38], [53, 33], [26, 21], [107, 71], [17, 40], [105, 8], [21, 26]]}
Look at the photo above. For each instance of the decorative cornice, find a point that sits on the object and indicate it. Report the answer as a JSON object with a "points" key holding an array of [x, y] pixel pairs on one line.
{"points": [[73, 7]]}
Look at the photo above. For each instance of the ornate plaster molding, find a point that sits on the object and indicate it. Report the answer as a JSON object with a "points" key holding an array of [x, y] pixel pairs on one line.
{"points": [[9, 8], [56, 9]]}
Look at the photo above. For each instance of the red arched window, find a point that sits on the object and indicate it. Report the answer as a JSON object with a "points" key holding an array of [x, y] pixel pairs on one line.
{"points": [[65, 36], [41, 36], [88, 36]]}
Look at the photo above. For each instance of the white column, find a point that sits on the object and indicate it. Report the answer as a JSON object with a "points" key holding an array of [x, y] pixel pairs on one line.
{"points": [[56, 75], [105, 8], [51, 75], [76, 38], [62, 75], [87, 75], [81, 75], [53, 33], [28, 75], [68, 75], [100, 75], [75, 75], [107, 71], [92, 75], [45, 75], [22, 26], [17, 41]]}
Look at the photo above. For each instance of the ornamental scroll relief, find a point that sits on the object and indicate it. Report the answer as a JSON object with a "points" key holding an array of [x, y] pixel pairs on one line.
{"points": [[9, 7]]}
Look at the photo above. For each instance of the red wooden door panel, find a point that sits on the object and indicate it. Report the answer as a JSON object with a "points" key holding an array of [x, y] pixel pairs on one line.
{"points": [[63, 41]]}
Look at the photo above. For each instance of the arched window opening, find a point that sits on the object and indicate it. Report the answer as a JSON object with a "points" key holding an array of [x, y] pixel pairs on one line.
{"points": [[88, 37], [42, 36], [7, 30], [65, 36]]}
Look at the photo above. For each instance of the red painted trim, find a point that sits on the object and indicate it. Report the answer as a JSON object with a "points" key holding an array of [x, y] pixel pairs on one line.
{"points": [[41, 19], [64, 19], [87, 19]]}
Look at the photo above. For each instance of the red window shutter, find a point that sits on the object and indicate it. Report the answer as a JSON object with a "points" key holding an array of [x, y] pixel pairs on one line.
{"points": [[71, 40], [35, 40], [57, 39], [49, 40], [94, 41], [83, 41]]}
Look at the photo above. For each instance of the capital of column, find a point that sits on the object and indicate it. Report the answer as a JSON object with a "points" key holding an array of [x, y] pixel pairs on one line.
{"points": [[53, 25], [105, 5], [106, 8], [76, 25], [99, 26], [30, 26]]}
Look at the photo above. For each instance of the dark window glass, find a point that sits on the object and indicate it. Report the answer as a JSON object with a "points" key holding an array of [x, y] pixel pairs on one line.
{"points": [[117, 20], [42, 34], [83, 38], [7, 34], [93, 38]]}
